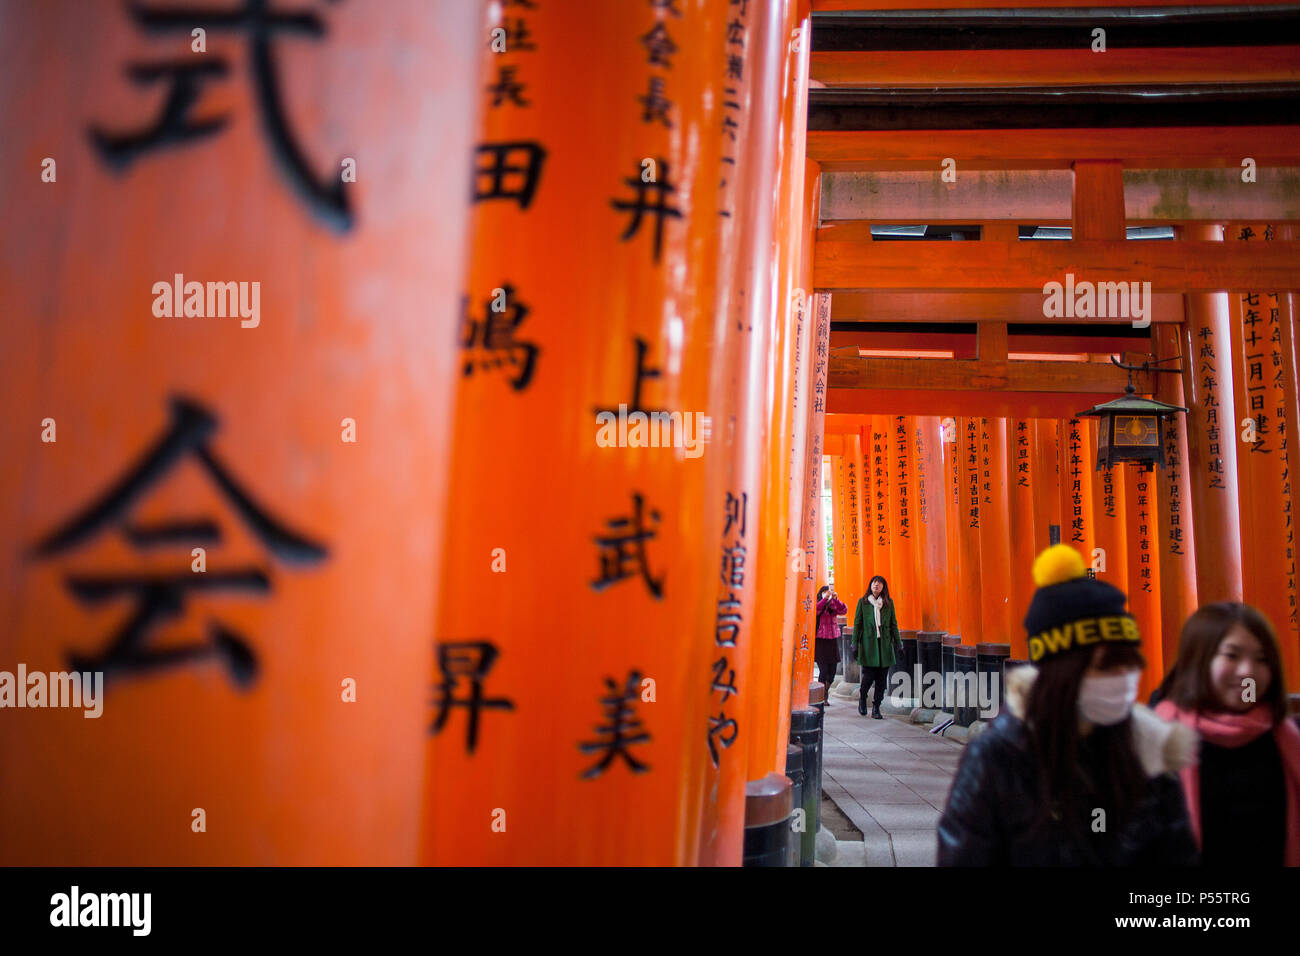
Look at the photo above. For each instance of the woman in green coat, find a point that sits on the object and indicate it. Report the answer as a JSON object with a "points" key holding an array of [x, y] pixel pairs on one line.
{"points": [[875, 635]]}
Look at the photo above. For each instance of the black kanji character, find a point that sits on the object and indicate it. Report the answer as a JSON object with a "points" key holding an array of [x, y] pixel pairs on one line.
{"points": [[161, 597], [655, 105], [465, 660], [499, 167], [507, 87], [659, 45], [659, 208], [718, 726], [623, 730], [494, 336], [622, 547], [174, 125]]}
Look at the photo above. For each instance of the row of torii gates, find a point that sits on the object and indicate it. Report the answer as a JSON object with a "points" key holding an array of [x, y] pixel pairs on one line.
{"points": [[683, 206], [810, 353]]}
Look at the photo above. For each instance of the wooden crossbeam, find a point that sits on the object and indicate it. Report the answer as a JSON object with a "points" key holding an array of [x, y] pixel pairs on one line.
{"points": [[1028, 266], [973, 307], [1095, 378], [864, 386], [1174, 147], [989, 69], [963, 346], [985, 403]]}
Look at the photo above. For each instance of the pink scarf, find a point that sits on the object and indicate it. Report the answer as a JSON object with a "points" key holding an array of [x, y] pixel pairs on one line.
{"points": [[1237, 730]]}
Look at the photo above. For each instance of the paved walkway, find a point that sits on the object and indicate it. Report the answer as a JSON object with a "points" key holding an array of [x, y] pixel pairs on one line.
{"points": [[891, 778]]}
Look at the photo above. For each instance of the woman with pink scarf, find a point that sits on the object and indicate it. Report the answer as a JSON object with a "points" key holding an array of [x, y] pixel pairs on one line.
{"points": [[1243, 795]]}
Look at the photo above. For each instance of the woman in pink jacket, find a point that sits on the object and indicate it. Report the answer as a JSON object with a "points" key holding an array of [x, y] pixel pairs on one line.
{"points": [[827, 650]]}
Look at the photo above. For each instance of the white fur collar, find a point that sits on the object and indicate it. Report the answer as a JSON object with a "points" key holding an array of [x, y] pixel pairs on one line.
{"points": [[1161, 746]]}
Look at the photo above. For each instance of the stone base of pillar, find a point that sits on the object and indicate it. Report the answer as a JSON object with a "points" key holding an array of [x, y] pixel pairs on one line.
{"points": [[826, 846], [903, 707], [845, 690], [967, 734]]}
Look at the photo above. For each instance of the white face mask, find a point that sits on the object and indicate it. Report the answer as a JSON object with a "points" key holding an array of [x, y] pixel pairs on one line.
{"points": [[1107, 700]]}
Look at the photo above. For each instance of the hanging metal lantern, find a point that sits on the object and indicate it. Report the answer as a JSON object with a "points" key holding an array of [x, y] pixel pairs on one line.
{"points": [[1131, 429]]}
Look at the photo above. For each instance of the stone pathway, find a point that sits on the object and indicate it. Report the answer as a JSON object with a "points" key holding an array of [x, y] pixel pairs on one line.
{"points": [[891, 778]]}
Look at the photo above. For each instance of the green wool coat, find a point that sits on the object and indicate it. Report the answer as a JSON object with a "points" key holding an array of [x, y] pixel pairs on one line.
{"points": [[875, 648]]}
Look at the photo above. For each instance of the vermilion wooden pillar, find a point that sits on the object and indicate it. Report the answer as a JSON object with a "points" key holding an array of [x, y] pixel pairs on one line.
{"points": [[266, 699], [1108, 514], [1076, 488], [769, 30], [1246, 475], [613, 534], [838, 508], [1211, 440], [738, 706], [1176, 541], [902, 586], [866, 507], [931, 521], [882, 506], [794, 280], [971, 525], [853, 539], [1046, 481], [952, 452], [1286, 317], [995, 549], [1022, 487], [1265, 464], [1143, 585]]}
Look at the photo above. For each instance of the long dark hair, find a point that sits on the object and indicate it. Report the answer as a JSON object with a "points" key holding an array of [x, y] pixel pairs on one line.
{"points": [[1067, 791], [884, 589], [1188, 682]]}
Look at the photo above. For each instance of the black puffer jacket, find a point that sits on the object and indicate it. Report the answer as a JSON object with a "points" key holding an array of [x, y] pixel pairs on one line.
{"points": [[991, 811]]}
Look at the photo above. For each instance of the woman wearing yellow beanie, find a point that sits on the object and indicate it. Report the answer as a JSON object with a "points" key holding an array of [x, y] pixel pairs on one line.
{"points": [[1072, 772]]}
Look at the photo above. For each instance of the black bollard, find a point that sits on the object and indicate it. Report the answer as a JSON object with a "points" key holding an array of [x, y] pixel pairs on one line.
{"points": [[767, 821], [794, 770], [806, 734], [848, 660], [908, 666], [817, 698], [989, 661], [929, 652], [966, 695], [945, 662]]}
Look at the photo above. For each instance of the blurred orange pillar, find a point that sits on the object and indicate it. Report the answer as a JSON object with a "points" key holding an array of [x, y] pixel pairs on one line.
{"points": [[202, 505]]}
